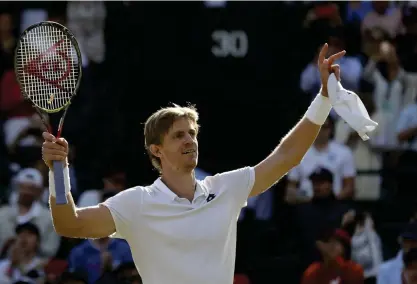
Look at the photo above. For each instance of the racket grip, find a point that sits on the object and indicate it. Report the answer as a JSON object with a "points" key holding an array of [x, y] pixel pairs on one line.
{"points": [[61, 196]]}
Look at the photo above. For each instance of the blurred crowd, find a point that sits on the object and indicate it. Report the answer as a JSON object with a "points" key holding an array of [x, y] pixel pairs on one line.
{"points": [[328, 229]]}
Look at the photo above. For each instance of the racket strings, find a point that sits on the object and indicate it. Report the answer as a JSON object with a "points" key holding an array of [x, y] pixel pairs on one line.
{"points": [[47, 66]]}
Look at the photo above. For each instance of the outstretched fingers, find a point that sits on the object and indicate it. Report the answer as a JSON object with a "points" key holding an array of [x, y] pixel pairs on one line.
{"points": [[322, 54]]}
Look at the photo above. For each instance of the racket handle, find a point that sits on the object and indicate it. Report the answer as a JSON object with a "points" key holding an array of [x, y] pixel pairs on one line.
{"points": [[61, 196]]}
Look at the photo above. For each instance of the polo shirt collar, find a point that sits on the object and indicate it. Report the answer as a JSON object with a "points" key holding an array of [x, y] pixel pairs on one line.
{"points": [[161, 186]]}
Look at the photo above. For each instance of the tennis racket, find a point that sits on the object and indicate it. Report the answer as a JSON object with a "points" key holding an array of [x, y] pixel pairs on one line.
{"points": [[48, 69]]}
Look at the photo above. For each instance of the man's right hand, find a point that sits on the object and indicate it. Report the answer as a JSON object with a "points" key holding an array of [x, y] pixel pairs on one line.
{"points": [[54, 149]]}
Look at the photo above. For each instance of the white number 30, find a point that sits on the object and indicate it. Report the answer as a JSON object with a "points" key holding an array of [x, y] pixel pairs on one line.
{"points": [[234, 43]]}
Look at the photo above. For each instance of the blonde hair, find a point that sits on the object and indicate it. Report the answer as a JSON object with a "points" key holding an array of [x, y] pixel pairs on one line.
{"points": [[160, 122]]}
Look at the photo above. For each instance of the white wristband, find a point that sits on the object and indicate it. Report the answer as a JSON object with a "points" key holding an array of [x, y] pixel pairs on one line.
{"points": [[66, 182], [319, 110]]}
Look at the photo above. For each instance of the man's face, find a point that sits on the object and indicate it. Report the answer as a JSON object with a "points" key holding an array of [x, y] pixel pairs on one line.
{"points": [[410, 273], [322, 188], [28, 193], [331, 248], [27, 241], [179, 149]]}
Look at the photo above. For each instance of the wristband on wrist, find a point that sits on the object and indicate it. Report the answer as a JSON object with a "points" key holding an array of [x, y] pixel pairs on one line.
{"points": [[319, 110], [66, 182]]}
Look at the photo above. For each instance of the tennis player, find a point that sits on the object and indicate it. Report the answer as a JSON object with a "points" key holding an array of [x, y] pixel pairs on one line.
{"points": [[181, 230]]}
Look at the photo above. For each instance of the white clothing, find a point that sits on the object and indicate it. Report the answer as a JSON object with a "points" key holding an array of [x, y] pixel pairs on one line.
{"points": [[177, 241], [337, 158], [407, 120], [390, 271]]}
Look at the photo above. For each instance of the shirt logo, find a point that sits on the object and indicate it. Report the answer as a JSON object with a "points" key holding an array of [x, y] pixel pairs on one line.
{"points": [[210, 197]]}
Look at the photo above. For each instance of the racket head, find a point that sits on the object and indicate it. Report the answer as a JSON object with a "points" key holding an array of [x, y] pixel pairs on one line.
{"points": [[48, 65]]}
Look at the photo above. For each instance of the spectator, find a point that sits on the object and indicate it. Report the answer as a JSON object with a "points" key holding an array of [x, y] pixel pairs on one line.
{"points": [[98, 256], [407, 43], [390, 271], [95, 257], [329, 154], [335, 266], [357, 10], [366, 243], [351, 66], [28, 209], [23, 262], [385, 15], [409, 275], [323, 212], [390, 83], [86, 21]]}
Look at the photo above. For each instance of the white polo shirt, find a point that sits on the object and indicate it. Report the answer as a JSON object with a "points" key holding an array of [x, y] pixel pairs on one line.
{"points": [[177, 241], [337, 158]]}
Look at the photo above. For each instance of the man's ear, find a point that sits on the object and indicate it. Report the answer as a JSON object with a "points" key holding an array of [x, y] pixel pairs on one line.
{"points": [[155, 150]]}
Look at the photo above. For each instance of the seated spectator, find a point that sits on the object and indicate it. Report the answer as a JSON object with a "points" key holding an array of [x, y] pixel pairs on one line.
{"points": [[28, 209], [335, 266], [385, 15], [390, 84], [409, 274], [357, 10], [351, 66], [407, 43], [23, 262], [366, 243], [328, 154], [390, 272], [97, 256], [323, 212]]}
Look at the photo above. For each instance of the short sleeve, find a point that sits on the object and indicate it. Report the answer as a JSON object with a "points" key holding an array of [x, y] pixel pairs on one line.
{"points": [[124, 210], [348, 165], [238, 183]]}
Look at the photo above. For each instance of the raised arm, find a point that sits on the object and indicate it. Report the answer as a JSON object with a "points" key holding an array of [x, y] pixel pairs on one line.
{"points": [[70, 221], [295, 144]]}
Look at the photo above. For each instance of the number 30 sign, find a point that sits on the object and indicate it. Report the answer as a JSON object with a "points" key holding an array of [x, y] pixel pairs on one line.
{"points": [[233, 43]]}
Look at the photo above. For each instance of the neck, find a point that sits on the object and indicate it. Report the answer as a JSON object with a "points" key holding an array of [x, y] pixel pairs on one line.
{"points": [[182, 184], [102, 243], [23, 209], [321, 145], [28, 257]]}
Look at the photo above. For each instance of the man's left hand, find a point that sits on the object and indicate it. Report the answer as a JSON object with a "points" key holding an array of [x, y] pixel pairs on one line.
{"points": [[326, 67]]}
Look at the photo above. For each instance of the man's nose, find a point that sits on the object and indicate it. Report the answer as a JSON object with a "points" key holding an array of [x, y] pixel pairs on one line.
{"points": [[189, 138]]}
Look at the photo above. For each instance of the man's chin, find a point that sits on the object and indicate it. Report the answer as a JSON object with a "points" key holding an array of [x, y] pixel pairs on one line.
{"points": [[191, 165]]}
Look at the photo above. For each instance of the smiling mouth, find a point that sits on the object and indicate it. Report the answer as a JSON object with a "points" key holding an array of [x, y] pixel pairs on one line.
{"points": [[189, 151]]}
